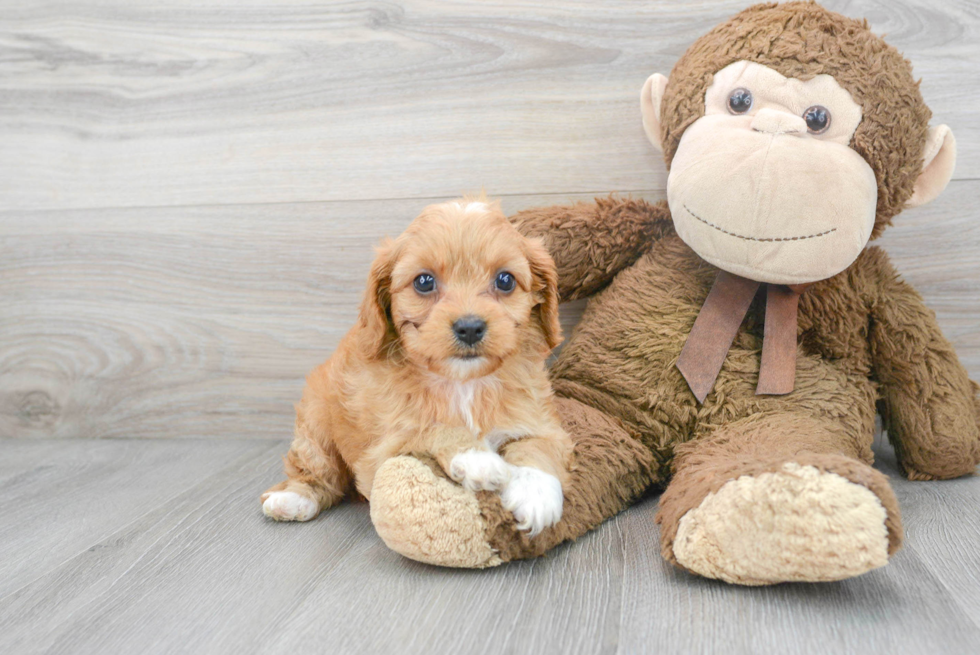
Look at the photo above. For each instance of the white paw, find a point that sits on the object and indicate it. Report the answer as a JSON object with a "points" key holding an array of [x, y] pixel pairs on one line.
{"points": [[479, 469], [289, 506], [534, 497]]}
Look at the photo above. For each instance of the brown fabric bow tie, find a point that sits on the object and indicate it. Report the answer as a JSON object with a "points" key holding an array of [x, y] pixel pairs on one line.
{"points": [[718, 322]]}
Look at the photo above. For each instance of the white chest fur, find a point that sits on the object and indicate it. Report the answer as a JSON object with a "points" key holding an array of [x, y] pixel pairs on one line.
{"points": [[462, 396], [464, 399]]}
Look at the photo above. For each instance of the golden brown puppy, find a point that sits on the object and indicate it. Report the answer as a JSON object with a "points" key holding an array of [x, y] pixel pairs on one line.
{"points": [[447, 358]]}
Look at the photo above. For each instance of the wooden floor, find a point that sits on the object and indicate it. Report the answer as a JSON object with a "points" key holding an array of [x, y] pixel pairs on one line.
{"points": [[159, 546], [189, 193]]}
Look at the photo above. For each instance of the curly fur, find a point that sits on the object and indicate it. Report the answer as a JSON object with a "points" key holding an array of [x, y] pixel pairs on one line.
{"points": [[402, 382]]}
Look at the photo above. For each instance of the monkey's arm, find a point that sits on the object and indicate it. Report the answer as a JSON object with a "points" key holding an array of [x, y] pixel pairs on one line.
{"points": [[931, 406], [592, 242]]}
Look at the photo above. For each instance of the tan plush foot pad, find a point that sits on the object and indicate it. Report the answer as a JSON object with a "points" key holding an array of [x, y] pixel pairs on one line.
{"points": [[795, 525], [428, 518]]}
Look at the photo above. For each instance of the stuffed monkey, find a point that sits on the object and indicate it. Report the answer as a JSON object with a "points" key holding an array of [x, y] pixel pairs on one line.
{"points": [[741, 336]]}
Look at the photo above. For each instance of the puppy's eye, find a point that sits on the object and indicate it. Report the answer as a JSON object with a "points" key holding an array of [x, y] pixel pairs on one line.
{"points": [[504, 282], [424, 283]]}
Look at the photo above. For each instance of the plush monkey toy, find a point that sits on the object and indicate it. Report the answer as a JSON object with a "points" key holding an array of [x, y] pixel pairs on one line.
{"points": [[741, 336]]}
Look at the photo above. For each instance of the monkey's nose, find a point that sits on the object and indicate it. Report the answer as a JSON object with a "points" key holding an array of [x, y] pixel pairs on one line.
{"points": [[772, 121], [470, 330]]}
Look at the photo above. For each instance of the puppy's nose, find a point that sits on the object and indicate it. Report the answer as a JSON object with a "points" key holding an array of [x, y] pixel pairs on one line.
{"points": [[470, 329]]}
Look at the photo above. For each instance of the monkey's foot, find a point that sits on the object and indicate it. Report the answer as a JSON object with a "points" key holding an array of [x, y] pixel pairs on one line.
{"points": [[429, 518], [795, 524]]}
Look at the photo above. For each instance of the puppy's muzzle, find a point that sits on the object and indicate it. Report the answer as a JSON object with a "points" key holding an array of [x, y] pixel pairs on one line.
{"points": [[470, 330]]}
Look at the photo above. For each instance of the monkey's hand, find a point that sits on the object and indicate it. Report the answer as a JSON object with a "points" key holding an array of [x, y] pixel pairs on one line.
{"points": [[592, 242], [931, 405]]}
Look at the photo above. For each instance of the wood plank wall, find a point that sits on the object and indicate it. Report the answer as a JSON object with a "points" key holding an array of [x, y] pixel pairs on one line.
{"points": [[189, 194]]}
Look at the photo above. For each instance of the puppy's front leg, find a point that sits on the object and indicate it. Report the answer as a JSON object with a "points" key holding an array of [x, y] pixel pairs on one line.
{"points": [[539, 471], [465, 459]]}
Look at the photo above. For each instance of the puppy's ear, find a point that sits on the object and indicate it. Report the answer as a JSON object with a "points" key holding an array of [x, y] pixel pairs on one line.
{"points": [[375, 316], [545, 290]]}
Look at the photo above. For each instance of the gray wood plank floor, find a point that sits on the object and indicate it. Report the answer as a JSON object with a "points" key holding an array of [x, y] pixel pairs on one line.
{"points": [[189, 193], [184, 562]]}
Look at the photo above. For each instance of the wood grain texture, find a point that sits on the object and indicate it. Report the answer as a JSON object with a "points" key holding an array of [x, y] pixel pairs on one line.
{"points": [[189, 194], [205, 572], [114, 103], [188, 322], [62, 497], [203, 321], [941, 522], [208, 573]]}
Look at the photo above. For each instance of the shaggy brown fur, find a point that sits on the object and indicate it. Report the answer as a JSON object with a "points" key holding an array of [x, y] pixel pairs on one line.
{"points": [[865, 338]]}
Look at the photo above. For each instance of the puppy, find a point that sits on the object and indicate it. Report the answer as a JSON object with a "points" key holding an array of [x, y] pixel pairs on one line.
{"points": [[447, 359]]}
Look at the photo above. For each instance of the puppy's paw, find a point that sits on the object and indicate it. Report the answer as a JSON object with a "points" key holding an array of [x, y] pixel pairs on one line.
{"points": [[289, 506], [534, 497], [479, 470]]}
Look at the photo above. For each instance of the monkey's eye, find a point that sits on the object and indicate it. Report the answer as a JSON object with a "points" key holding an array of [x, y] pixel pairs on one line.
{"points": [[740, 101], [504, 282], [817, 119], [424, 283]]}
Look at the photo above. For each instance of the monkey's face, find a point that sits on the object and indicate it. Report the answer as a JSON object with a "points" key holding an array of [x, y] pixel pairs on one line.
{"points": [[777, 172], [765, 186]]}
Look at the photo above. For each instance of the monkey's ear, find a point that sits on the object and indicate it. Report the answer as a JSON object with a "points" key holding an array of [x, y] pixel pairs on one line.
{"points": [[375, 315], [938, 162], [650, 97]]}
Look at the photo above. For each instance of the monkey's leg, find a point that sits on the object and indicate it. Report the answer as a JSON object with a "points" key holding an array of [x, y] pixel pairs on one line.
{"points": [[424, 516], [777, 497]]}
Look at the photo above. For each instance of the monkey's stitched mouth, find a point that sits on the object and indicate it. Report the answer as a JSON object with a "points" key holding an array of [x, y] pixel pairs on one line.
{"points": [[748, 238]]}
